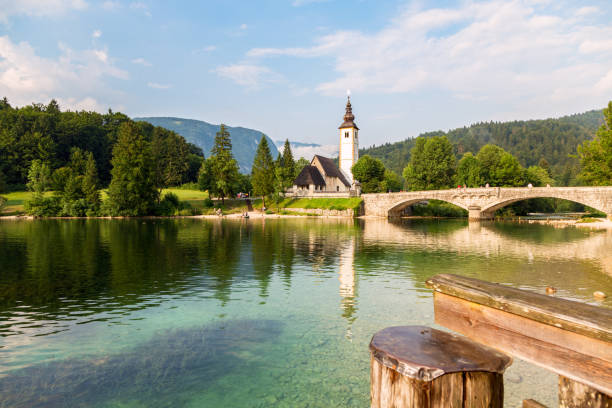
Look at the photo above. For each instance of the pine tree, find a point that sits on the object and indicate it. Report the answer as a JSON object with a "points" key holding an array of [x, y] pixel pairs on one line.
{"points": [[263, 171], [90, 184], [287, 166], [223, 167], [132, 188]]}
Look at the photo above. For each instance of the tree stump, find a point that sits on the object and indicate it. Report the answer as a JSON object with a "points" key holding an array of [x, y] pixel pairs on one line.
{"points": [[573, 394], [421, 367]]}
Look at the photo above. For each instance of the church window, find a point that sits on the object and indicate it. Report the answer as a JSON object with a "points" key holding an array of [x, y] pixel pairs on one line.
{"points": [[346, 134], [337, 188]]}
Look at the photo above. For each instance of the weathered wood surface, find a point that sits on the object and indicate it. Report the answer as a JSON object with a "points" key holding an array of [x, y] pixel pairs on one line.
{"points": [[424, 353], [588, 320], [575, 395], [529, 403], [581, 358], [420, 367]]}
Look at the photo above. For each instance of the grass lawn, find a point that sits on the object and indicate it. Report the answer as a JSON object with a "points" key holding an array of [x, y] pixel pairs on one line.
{"points": [[323, 203], [17, 199]]}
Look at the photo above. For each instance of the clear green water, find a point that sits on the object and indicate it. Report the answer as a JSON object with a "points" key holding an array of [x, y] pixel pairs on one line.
{"points": [[249, 313]]}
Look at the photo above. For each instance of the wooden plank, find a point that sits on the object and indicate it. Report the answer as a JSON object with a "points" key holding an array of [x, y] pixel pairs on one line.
{"points": [[575, 395], [588, 320], [529, 403], [581, 358]]}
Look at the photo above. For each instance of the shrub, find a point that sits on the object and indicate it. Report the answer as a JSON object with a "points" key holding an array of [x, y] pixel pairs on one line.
{"points": [[208, 203], [40, 206], [189, 186], [74, 208], [2, 202]]}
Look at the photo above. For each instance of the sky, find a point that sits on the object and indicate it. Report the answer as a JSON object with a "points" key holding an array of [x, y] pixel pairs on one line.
{"points": [[284, 67]]}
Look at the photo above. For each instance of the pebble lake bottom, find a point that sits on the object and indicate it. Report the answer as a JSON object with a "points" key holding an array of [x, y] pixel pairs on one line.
{"points": [[251, 313]]}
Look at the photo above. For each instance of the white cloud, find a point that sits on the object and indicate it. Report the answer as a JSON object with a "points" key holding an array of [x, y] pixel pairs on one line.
{"points": [[208, 48], [584, 11], [111, 5], [141, 6], [299, 3], [38, 8], [141, 61], [252, 76], [520, 54], [155, 85], [243, 26], [308, 152], [73, 77], [96, 34]]}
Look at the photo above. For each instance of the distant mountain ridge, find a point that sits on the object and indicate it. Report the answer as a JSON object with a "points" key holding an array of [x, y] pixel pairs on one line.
{"points": [[554, 140], [202, 134]]}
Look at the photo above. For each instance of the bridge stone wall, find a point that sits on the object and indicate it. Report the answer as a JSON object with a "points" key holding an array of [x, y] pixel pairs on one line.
{"points": [[481, 203]]}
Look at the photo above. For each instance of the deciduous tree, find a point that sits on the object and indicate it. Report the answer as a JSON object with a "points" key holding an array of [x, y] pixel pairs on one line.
{"points": [[432, 164], [596, 155], [369, 172]]}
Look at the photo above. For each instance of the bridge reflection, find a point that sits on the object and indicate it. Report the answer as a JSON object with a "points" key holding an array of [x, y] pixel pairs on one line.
{"points": [[495, 239]]}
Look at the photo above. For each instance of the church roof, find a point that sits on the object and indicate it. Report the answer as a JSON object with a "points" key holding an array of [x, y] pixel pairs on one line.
{"points": [[309, 175], [349, 118], [331, 170]]}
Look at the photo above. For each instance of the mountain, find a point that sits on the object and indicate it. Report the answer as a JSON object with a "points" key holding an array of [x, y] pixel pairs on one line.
{"points": [[555, 140], [202, 134]]}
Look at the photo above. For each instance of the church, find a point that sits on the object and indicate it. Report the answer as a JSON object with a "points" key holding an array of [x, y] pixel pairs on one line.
{"points": [[322, 175]]}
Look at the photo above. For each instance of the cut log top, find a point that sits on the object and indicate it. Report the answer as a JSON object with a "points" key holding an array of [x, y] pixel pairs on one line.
{"points": [[588, 320], [424, 353]]}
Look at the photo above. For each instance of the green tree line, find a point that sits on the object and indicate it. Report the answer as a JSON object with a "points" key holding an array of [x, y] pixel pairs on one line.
{"points": [[76, 154], [554, 140]]}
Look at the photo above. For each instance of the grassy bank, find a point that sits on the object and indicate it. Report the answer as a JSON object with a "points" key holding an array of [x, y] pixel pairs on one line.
{"points": [[200, 200], [16, 200], [323, 203]]}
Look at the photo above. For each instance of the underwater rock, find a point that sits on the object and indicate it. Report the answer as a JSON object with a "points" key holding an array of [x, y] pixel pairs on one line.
{"points": [[170, 365]]}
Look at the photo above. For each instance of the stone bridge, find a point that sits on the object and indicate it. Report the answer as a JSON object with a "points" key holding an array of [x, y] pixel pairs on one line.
{"points": [[481, 203]]}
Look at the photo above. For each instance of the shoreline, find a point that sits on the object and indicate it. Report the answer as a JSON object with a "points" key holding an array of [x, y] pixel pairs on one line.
{"points": [[600, 223]]}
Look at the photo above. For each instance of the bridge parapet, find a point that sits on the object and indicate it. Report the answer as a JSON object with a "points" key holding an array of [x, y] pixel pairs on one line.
{"points": [[481, 203]]}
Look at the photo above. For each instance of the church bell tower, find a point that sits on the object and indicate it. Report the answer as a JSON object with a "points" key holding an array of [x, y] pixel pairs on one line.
{"points": [[349, 142]]}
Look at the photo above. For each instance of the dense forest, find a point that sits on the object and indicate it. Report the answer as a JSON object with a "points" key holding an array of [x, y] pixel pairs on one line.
{"points": [[45, 133], [554, 140]]}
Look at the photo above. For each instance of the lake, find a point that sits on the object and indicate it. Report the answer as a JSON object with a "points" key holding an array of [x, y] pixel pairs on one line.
{"points": [[250, 313]]}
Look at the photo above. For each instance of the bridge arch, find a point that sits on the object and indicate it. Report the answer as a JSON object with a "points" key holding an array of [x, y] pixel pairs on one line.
{"points": [[482, 202], [490, 209], [397, 208]]}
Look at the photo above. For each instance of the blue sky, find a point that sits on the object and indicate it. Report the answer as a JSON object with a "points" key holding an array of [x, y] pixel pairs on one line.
{"points": [[283, 67]]}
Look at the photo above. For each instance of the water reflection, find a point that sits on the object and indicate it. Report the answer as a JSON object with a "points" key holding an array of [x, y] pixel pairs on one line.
{"points": [[59, 271], [75, 291], [346, 275]]}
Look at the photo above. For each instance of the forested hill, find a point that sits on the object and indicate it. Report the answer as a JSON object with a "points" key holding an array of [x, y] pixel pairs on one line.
{"points": [[202, 134], [530, 141]]}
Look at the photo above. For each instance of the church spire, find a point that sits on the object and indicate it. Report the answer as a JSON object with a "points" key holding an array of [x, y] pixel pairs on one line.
{"points": [[349, 118]]}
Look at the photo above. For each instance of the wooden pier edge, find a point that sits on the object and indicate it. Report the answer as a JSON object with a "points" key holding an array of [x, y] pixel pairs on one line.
{"points": [[569, 338]]}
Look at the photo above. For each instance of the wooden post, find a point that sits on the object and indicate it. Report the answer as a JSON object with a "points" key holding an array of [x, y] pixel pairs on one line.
{"points": [[420, 367], [573, 394], [529, 403]]}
